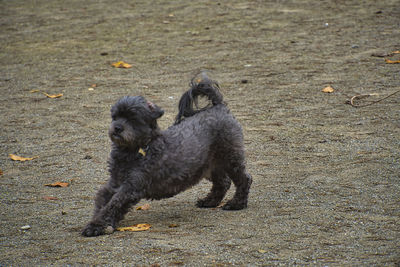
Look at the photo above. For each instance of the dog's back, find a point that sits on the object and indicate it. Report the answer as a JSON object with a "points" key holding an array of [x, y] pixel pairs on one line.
{"points": [[200, 85]]}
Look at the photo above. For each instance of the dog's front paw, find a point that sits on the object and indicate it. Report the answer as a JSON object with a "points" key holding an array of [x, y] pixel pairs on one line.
{"points": [[93, 229]]}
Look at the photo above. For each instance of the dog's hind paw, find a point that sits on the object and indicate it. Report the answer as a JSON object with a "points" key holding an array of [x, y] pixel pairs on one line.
{"points": [[94, 230], [207, 203], [234, 205]]}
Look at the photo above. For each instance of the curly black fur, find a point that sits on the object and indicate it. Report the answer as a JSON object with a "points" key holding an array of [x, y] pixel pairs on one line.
{"points": [[206, 143], [198, 87]]}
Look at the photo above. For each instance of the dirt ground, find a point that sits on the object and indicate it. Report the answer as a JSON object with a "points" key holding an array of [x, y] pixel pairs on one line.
{"points": [[326, 185]]}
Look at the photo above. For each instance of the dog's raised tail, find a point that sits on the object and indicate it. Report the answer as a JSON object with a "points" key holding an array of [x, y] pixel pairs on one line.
{"points": [[200, 86]]}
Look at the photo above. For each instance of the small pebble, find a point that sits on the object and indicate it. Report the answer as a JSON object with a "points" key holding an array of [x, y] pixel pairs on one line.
{"points": [[25, 227], [109, 230]]}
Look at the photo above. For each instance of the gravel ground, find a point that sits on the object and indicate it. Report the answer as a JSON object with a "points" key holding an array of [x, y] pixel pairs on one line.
{"points": [[326, 187]]}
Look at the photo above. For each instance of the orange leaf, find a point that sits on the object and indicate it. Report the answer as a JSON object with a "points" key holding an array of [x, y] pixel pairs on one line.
{"points": [[1, 172], [135, 228], [392, 61], [18, 158], [52, 96], [328, 89], [144, 207], [121, 64], [58, 184]]}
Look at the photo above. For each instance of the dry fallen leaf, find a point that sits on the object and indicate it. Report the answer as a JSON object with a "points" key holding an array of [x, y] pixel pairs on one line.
{"points": [[18, 158], [262, 251], [49, 198], [52, 96], [121, 64], [58, 184], [46, 94], [144, 207], [173, 225], [135, 228], [328, 89], [1, 172], [392, 61]]}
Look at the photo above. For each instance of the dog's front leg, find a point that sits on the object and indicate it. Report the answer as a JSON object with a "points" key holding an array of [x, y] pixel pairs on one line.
{"points": [[103, 196], [105, 220]]}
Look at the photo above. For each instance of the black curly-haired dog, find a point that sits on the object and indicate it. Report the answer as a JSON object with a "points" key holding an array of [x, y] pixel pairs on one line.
{"points": [[203, 142]]}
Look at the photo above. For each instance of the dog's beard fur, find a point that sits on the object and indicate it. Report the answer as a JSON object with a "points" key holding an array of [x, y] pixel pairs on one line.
{"points": [[123, 137]]}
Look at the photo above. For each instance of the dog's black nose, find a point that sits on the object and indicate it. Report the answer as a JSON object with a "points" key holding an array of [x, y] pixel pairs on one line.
{"points": [[118, 129]]}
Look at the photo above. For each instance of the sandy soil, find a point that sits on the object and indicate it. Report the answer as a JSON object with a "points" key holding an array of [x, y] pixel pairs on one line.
{"points": [[326, 185]]}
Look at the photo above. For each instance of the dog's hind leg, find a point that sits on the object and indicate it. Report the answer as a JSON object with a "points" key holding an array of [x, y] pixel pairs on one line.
{"points": [[242, 181], [221, 184]]}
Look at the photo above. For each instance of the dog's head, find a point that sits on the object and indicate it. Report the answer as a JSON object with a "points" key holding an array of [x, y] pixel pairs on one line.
{"points": [[134, 122]]}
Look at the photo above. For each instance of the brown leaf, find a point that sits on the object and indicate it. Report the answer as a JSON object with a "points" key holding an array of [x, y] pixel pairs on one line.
{"points": [[49, 198], [328, 89], [135, 228], [1, 172], [144, 207], [18, 158], [121, 64], [58, 184], [173, 225]]}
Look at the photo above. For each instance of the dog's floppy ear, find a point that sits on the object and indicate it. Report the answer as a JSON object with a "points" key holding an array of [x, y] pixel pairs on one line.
{"points": [[156, 112]]}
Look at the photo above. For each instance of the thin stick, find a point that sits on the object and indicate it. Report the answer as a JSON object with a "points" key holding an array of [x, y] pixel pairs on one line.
{"points": [[367, 95]]}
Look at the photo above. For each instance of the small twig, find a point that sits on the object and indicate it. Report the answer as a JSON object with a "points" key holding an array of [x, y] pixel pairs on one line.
{"points": [[351, 102]]}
